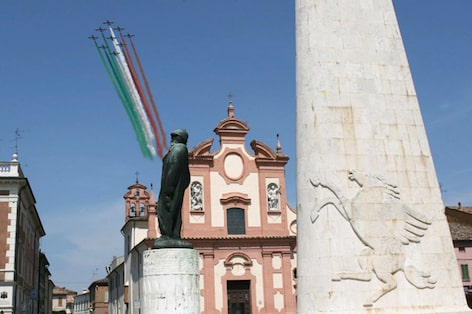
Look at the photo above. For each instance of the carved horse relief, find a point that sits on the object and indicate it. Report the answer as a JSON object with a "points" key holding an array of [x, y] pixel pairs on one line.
{"points": [[374, 214]]}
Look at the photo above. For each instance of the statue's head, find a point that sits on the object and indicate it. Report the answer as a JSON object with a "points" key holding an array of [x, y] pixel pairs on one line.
{"points": [[179, 136]]}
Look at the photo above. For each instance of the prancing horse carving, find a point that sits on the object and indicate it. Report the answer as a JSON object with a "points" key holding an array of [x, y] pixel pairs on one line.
{"points": [[374, 214]]}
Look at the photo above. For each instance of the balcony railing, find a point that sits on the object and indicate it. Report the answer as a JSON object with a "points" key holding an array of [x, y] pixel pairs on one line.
{"points": [[10, 169]]}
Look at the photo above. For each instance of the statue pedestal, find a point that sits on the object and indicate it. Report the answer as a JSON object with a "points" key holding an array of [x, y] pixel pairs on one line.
{"points": [[171, 281]]}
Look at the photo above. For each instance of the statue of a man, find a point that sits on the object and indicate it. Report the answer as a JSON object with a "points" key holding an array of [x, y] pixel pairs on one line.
{"points": [[174, 181]]}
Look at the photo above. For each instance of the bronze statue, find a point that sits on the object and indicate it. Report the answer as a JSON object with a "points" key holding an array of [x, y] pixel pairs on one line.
{"points": [[174, 181]]}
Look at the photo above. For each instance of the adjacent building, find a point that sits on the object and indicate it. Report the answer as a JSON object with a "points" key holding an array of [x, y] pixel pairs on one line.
{"points": [[98, 292], [82, 303], [116, 288], [460, 223], [62, 300], [236, 215], [24, 276], [45, 285]]}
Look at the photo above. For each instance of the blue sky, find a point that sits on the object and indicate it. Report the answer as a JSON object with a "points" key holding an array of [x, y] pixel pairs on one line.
{"points": [[78, 148]]}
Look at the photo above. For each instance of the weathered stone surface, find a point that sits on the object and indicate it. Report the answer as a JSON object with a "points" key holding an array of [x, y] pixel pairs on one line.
{"points": [[171, 281], [372, 236]]}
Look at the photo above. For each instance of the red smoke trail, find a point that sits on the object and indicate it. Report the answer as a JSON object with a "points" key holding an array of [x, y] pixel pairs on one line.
{"points": [[141, 93], [150, 94]]}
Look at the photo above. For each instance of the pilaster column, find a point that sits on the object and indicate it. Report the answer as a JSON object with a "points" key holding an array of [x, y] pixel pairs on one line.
{"points": [[289, 298], [268, 282], [208, 281]]}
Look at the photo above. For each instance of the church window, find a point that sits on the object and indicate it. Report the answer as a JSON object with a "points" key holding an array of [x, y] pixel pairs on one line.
{"points": [[128, 244], [465, 272], [236, 221]]}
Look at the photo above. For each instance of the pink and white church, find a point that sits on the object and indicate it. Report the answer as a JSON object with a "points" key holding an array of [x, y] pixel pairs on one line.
{"points": [[235, 214]]}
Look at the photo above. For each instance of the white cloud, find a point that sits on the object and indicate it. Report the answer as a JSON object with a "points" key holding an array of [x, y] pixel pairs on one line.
{"points": [[82, 241]]}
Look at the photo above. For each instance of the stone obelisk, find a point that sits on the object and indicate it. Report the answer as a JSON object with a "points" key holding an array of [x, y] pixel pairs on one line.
{"points": [[372, 234]]}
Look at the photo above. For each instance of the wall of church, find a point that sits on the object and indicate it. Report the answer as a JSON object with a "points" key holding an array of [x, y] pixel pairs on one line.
{"points": [[270, 277]]}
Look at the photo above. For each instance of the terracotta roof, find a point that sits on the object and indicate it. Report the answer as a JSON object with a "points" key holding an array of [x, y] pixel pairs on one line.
{"points": [[460, 222], [459, 207], [100, 282], [62, 291]]}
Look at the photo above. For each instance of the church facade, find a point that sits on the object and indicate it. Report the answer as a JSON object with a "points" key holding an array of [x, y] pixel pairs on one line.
{"points": [[236, 214]]}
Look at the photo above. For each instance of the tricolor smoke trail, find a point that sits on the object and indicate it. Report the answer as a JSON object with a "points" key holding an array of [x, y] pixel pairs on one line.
{"points": [[128, 82]]}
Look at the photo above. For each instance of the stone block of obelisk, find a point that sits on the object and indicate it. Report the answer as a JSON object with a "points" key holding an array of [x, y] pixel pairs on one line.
{"points": [[372, 234]]}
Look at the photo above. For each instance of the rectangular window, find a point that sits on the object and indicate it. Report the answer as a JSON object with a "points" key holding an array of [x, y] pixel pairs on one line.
{"points": [[465, 272], [59, 303], [236, 221]]}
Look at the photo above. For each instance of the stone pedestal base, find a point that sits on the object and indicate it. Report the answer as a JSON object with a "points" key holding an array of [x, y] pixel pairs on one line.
{"points": [[171, 281]]}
